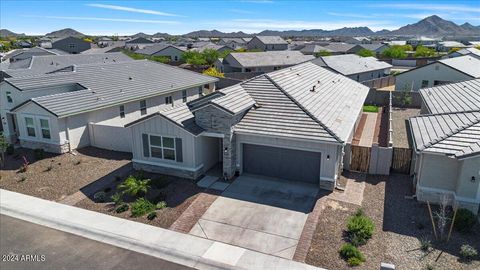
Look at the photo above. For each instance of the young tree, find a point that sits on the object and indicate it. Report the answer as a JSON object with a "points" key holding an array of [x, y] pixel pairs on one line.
{"points": [[322, 53], [3, 148], [194, 58], [213, 72], [395, 52], [210, 56], [422, 51], [365, 53]]}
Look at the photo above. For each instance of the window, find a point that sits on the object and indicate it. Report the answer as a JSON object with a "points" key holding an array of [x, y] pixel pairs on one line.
{"points": [[184, 95], [162, 147], [45, 128], [71, 46], [9, 97], [424, 83], [122, 111], [169, 100], [143, 107], [200, 91], [30, 125], [176, 58], [358, 78]]}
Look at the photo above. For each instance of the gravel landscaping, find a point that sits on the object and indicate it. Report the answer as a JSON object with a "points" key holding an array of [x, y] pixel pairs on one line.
{"points": [[56, 176], [400, 129], [178, 193], [399, 225]]}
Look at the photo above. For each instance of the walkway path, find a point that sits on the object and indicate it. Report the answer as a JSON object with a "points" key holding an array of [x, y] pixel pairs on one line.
{"points": [[368, 129]]}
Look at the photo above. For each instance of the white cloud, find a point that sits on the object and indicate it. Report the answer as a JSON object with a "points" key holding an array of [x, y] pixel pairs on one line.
{"points": [[104, 19], [431, 7], [136, 10], [240, 11]]}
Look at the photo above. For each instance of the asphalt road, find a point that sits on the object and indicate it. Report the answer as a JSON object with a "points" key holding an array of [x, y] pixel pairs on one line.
{"points": [[47, 248]]}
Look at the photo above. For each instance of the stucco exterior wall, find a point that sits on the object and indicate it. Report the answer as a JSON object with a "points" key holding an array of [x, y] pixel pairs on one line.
{"points": [[174, 54], [64, 45]]}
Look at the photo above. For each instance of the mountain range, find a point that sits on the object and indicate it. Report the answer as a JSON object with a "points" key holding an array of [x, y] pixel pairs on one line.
{"points": [[430, 26]]}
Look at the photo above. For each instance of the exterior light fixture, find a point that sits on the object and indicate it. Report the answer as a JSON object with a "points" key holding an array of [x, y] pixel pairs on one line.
{"points": [[473, 179], [328, 157]]}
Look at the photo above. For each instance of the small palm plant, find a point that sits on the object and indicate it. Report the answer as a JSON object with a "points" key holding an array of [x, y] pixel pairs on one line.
{"points": [[134, 186]]}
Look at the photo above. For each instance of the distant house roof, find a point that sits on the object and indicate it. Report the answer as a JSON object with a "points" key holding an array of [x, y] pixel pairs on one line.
{"points": [[109, 84], [373, 47], [236, 40], [453, 97], [44, 64], [348, 64], [27, 53], [69, 37], [314, 48], [269, 58], [342, 47], [467, 51], [271, 40], [139, 40], [466, 64], [212, 46], [452, 44], [149, 50], [116, 46]]}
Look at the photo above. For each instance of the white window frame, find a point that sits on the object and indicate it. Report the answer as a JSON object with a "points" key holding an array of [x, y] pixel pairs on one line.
{"points": [[27, 126], [41, 129], [143, 107], [162, 147], [184, 96], [169, 100], [122, 110], [9, 96]]}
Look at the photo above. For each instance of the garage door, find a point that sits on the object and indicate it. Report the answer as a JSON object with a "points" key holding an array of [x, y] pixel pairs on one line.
{"points": [[282, 163]]}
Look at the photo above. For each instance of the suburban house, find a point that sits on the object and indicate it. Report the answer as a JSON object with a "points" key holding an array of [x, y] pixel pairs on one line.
{"points": [[357, 40], [312, 49], [260, 61], [291, 124], [439, 72], [422, 41], [213, 46], [267, 43], [44, 64], [23, 44], [71, 45], [104, 41], [115, 46], [445, 46], [343, 48], [89, 105], [467, 51], [447, 144], [138, 43], [21, 54], [234, 43], [355, 67], [169, 51], [377, 48]]}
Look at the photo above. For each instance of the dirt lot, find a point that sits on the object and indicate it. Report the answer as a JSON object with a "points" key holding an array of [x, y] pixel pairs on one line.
{"points": [[400, 223], [57, 176]]}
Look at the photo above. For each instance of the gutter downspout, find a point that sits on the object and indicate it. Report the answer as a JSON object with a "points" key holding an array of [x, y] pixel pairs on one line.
{"points": [[67, 134]]}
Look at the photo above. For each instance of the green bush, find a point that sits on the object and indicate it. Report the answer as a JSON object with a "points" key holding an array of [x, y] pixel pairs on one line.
{"points": [[425, 244], [360, 228], [370, 108], [117, 198], [38, 153], [122, 208], [152, 215], [468, 252], [354, 261], [100, 196], [464, 220], [161, 205], [142, 206], [349, 251], [133, 186]]}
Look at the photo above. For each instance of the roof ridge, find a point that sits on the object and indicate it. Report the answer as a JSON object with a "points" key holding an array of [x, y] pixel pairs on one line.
{"points": [[304, 109], [445, 113], [450, 134]]}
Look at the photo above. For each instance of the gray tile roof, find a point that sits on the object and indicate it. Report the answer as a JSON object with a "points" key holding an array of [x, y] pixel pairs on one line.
{"points": [[236, 40], [314, 48], [28, 53], [348, 64], [149, 50], [270, 58], [182, 116], [456, 134], [109, 85], [271, 39], [468, 51], [373, 47], [453, 97], [45, 64], [235, 100], [466, 64], [340, 47]]}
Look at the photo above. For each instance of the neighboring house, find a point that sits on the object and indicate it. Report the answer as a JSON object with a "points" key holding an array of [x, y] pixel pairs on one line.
{"points": [[234, 43], [45, 42], [439, 72], [446, 46], [261, 61], [355, 67], [104, 42], [169, 51], [138, 43], [311, 49], [396, 42], [422, 41], [343, 48], [447, 144], [289, 124], [23, 44], [267, 43], [377, 48], [37, 65], [63, 111], [213, 46], [22, 54], [71, 45], [358, 40], [116, 46], [467, 51]]}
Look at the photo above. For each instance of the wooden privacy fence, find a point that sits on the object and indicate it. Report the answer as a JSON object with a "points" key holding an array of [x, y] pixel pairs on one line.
{"points": [[360, 159], [401, 160]]}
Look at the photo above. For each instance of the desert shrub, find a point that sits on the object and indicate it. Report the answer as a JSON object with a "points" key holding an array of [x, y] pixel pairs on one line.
{"points": [[117, 198], [152, 215], [100, 196], [360, 228], [122, 208], [464, 220], [425, 244], [10, 149], [349, 251], [161, 205], [38, 153], [468, 252], [142, 206], [354, 261], [370, 108], [133, 186]]}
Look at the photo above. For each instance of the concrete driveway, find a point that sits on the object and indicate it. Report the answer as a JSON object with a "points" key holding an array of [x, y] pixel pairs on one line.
{"points": [[265, 215]]}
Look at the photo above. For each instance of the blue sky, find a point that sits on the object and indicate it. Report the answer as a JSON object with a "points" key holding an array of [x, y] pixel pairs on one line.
{"points": [[180, 17]]}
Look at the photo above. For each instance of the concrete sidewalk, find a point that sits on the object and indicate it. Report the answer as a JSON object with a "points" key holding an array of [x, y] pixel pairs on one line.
{"points": [[168, 245]]}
